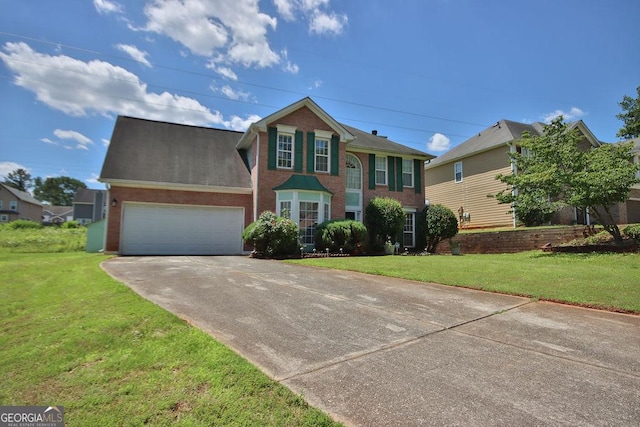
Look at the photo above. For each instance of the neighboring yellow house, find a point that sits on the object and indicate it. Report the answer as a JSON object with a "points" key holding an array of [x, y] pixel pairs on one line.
{"points": [[462, 178]]}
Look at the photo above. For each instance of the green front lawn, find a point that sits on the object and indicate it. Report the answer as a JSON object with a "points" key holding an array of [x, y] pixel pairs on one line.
{"points": [[609, 281], [73, 336]]}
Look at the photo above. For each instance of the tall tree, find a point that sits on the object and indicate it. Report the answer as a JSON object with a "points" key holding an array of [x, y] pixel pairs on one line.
{"points": [[58, 191], [630, 116], [20, 179], [560, 173]]}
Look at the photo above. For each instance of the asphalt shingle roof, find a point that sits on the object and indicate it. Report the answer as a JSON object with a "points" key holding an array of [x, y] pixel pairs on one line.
{"points": [[160, 152], [370, 142]]}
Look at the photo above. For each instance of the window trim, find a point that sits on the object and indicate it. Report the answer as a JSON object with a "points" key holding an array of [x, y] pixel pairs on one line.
{"points": [[410, 172], [13, 205], [326, 156], [408, 214], [279, 150], [456, 172], [383, 160]]}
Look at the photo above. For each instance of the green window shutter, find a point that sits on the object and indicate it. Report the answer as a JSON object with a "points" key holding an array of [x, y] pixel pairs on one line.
{"points": [[335, 155], [418, 173], [311, 152], [391, 173], [400, 186], [272, 148], [297, 166], [372, 171]]}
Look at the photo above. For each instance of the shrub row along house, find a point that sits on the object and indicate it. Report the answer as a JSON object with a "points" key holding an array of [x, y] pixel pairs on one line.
{"points": [[178, 189], [462, 178]]}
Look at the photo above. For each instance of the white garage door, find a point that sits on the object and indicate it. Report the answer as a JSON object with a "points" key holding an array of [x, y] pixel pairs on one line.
{"points": [[151, 229]]}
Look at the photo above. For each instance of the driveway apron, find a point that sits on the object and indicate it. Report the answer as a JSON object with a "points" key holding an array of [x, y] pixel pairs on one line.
{"points": [[377, 351]]}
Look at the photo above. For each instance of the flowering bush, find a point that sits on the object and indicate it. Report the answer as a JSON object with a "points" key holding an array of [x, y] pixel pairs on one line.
{"points": [[272, 235]]}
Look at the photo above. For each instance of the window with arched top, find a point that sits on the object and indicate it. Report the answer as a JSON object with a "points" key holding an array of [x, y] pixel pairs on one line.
{"points": [[354, 173]]}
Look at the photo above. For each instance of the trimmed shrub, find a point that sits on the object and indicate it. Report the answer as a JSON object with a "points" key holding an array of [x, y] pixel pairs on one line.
{"points": [[70, 224], [272, 235], [345, 234], [384, 218], [440, 223], [632, 231], [23, 224]]}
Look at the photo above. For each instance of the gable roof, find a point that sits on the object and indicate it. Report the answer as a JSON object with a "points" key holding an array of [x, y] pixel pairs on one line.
{"points": [[58, 210], [21, 195], [85, 195], [261, 125], [502, 133], [152, 153], [368, 142]]}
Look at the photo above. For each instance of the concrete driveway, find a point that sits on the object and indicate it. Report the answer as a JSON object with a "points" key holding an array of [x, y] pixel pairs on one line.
{"points": [[375, 351]]}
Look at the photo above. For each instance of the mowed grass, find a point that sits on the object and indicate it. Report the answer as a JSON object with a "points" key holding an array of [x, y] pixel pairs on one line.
{"points": [[73, 336], [608, 281]]}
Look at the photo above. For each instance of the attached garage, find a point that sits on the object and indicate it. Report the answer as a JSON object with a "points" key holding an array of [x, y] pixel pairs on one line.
{"points": [[164, 229]]}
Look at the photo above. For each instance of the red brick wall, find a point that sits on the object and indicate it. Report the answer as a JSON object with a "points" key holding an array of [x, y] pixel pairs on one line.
{"points": [[125, 194], [306, 121], [513, 240]]}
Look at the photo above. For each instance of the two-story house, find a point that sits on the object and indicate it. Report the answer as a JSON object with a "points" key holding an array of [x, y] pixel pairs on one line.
{"points": [[178, 189], [89, 205], [56, 215], [462, 178], [16, 204]]}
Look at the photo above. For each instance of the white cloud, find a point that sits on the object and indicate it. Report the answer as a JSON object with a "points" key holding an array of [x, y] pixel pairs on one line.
{"points": [[240, 124], [289, 67], [48, 141], [237, 29], [234, 94], [573, 114], [93, 179], [107, 6], [438, 143], [106, 142], [322, 20], [135, 53], [7, 167], [316, 84], [327, 23], [83, 141], [225, 72], [80, 88]]}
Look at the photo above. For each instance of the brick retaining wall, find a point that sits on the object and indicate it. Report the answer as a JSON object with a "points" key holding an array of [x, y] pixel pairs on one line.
{"points": [[511, 241]]}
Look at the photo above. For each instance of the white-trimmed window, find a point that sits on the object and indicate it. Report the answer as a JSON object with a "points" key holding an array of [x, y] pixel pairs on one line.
{"points": [[4, 218], [327, 212], [457, 170], [308, 221], [407, 172], [285, 209], [285, 150], [408, 232], [381, 170], [13, 205], [322, 155]]}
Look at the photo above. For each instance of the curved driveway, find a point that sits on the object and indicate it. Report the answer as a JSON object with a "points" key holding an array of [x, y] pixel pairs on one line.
{"points": [[375, 351]]}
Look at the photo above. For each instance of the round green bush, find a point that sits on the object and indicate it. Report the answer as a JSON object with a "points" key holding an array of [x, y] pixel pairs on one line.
{"points": [[272, 235], [384, 218], [341, 234], [440, 223]]}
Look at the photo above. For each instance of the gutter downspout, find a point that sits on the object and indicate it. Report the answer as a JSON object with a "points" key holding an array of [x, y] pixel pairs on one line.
{"points": [[255, 185]]}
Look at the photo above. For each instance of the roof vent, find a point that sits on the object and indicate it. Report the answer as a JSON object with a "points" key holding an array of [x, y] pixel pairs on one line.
{"points": [[374, 132]]}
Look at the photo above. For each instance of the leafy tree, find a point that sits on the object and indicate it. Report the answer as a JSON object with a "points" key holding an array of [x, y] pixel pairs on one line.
{"points": [[555, 171], [631, 116], [440, 224], [272, 235], [19, 179], [58, 191], [384, 218]]}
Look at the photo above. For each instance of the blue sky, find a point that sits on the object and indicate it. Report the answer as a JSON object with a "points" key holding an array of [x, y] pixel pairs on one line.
{"points": [[426, 73]]}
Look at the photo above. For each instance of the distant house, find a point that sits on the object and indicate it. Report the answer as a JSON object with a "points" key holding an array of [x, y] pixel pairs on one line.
{"points": [[629, 212], [56, 215], [462, 178], [16, 204], [89, 205], [178, 189]]}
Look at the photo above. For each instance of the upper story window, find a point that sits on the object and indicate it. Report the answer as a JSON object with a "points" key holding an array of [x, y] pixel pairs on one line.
{"points": [[13, 205], [457, 170], [407, 172], [285, 150], [354, 173], [322, 155], [381, 170]]}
